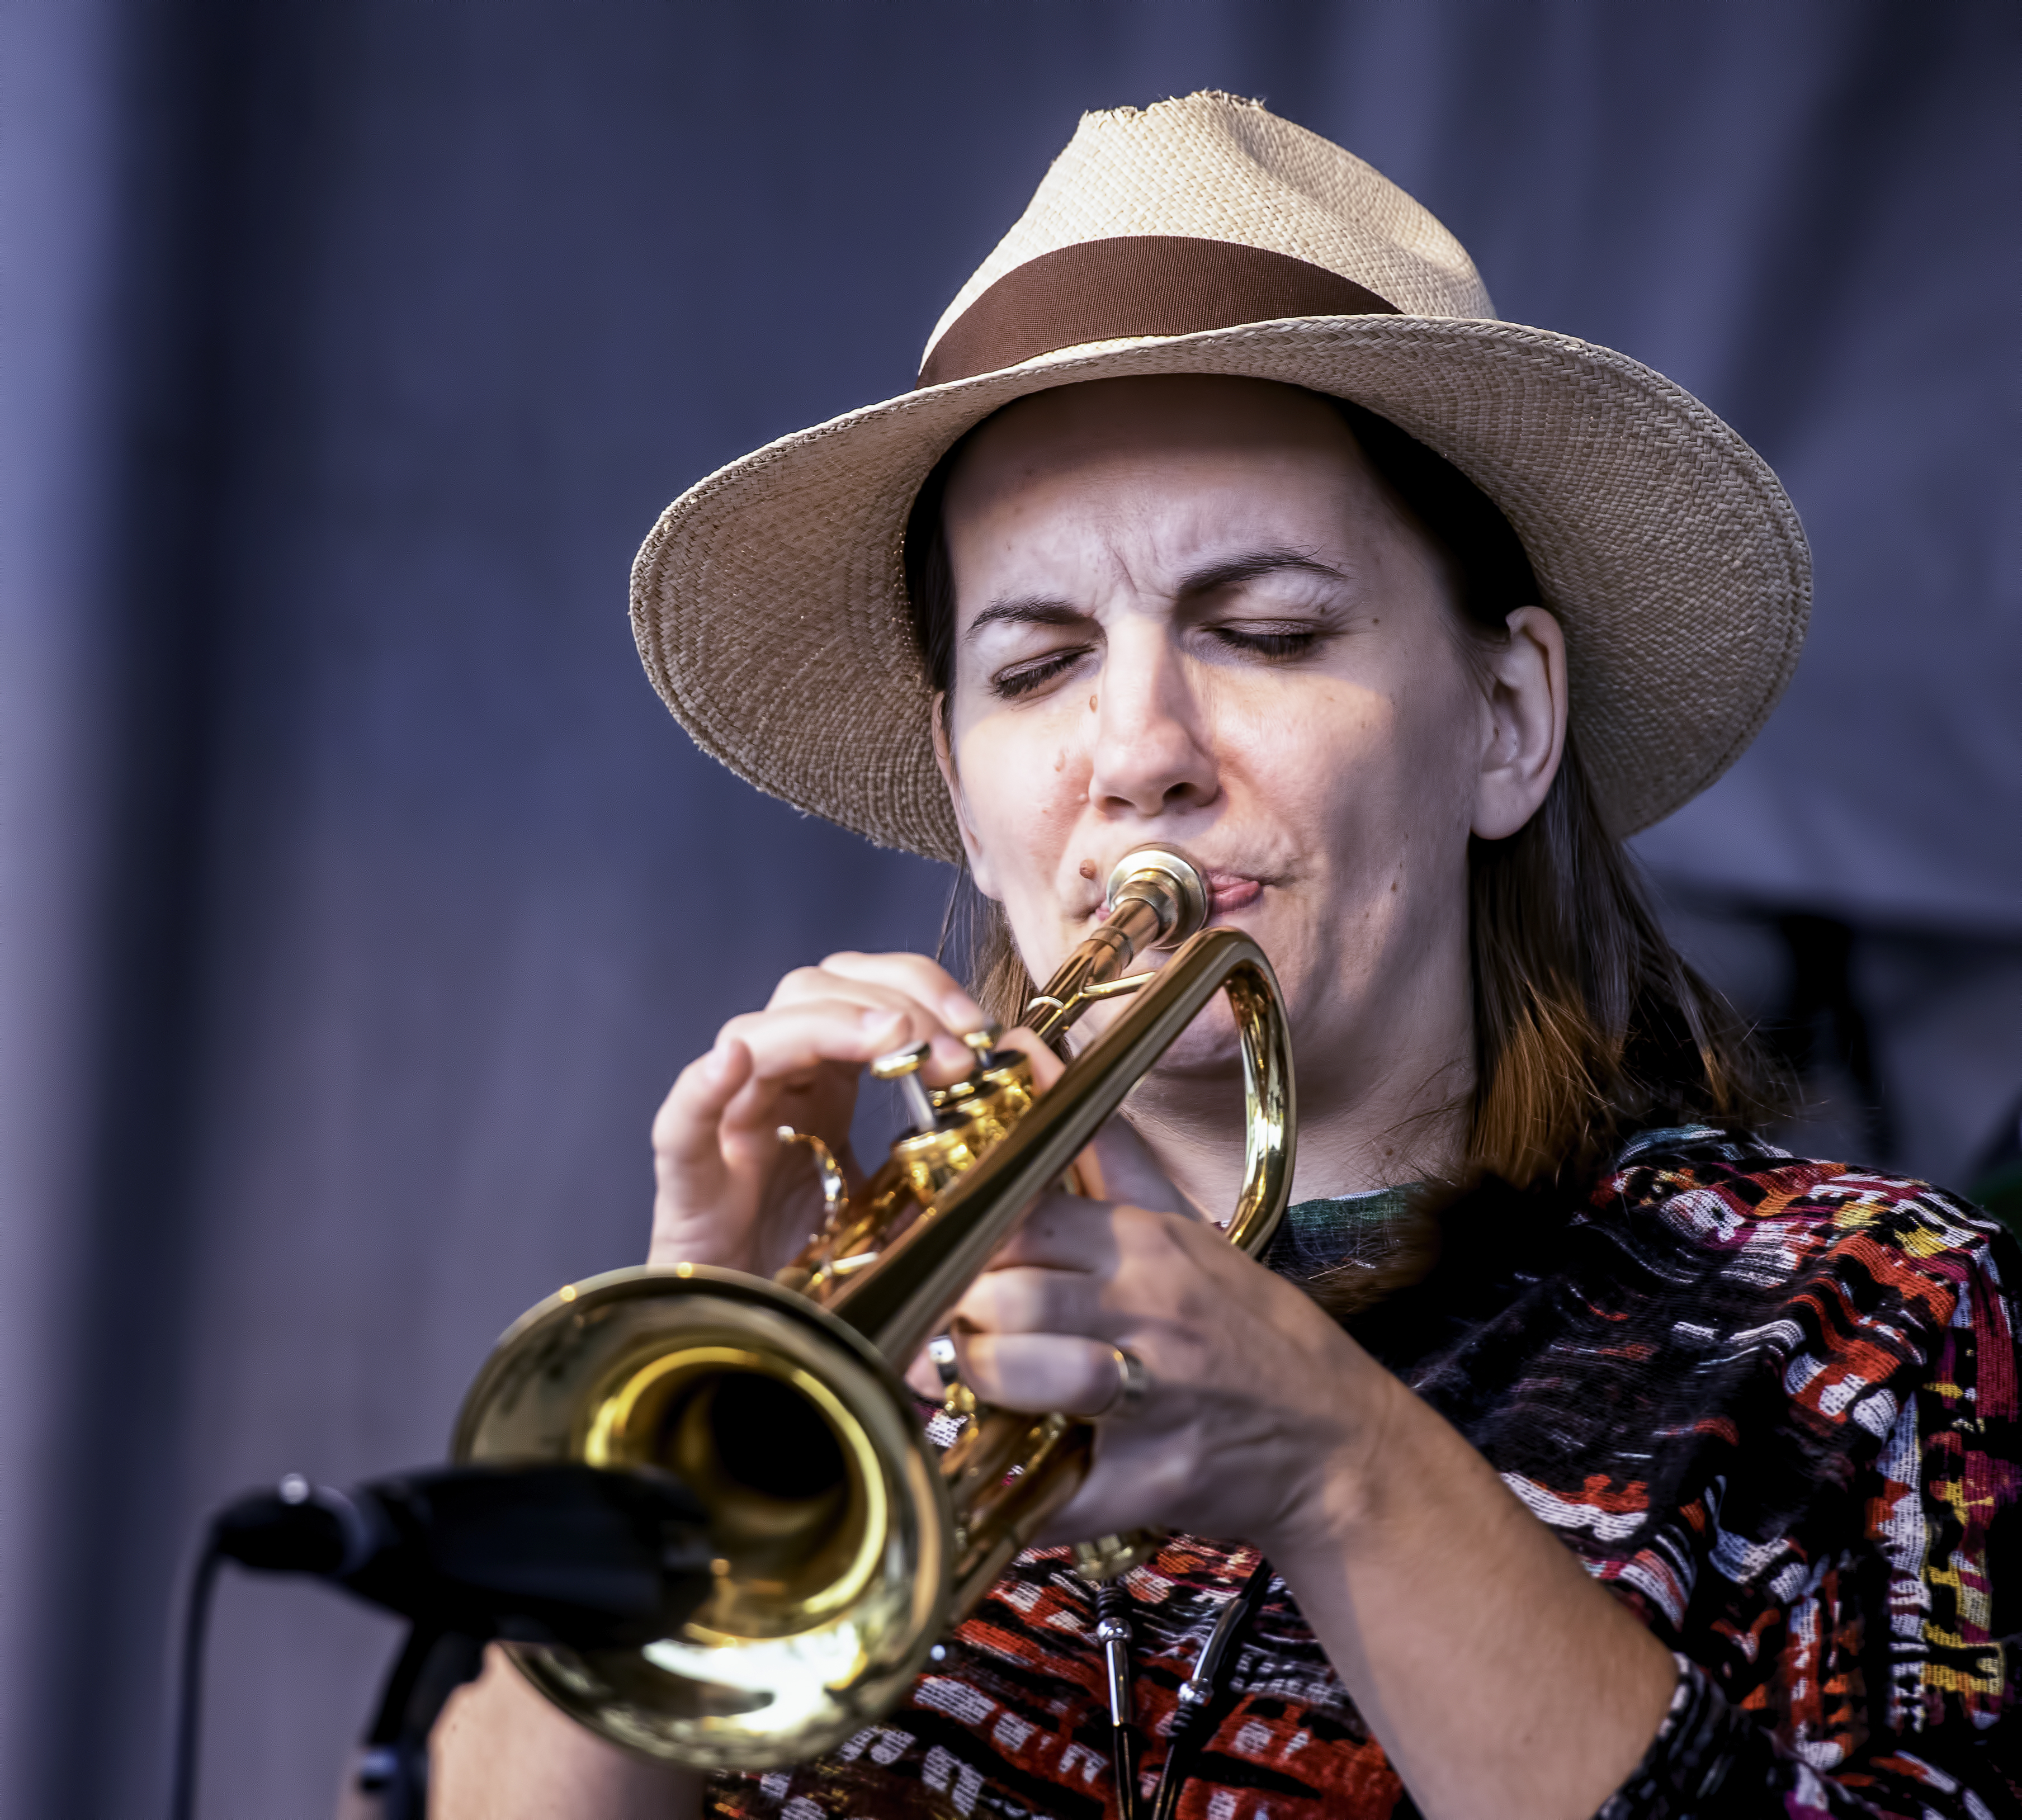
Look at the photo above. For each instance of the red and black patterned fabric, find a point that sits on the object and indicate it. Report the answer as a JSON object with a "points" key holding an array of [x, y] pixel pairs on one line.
{"points": [[1772, 1403]]}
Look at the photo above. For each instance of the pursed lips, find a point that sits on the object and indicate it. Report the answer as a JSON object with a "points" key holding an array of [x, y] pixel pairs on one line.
{"points": [[1228, 891]]}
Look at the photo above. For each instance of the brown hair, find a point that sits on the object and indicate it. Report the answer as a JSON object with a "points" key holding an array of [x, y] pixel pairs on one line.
{"points": [[1588, 1024]]}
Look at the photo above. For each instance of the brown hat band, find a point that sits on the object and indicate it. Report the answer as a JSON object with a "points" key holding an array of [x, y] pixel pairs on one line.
{"points": [[1137, 284]]}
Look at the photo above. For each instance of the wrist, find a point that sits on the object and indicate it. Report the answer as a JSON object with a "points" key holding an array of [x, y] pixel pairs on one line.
{"points": [[1356, 1464]]}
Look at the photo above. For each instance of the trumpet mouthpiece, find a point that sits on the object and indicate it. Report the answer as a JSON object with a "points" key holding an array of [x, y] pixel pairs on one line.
{"points": [[1169, 884]]}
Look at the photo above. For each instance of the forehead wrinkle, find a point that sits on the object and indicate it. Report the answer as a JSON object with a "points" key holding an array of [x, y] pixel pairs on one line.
{"points": [[1198, 538], [1042, 605], [1184, 535]]}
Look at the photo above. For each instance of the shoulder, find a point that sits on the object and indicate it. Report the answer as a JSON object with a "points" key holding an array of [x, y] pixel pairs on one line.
{"points": [[1727, 1209]]}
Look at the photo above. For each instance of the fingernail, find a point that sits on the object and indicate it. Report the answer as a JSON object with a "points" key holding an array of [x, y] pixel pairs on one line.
{"points": [[874, 1019], [961, 1012]]}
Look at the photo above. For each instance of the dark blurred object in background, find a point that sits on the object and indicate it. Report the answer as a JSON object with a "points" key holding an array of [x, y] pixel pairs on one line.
{"points": [[358, 900], [1905, 1039]]}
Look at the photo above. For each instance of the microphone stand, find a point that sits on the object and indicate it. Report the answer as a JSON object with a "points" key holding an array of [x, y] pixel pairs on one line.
{"points": [[391, 1778]]}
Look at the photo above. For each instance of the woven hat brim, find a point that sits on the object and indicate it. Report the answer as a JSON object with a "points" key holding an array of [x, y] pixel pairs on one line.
{"points": [[769, 602]]}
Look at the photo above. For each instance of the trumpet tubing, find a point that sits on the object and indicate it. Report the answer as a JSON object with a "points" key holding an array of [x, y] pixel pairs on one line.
{"points": [[844, 1545]]}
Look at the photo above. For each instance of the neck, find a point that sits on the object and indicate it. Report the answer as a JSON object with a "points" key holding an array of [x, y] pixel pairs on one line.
{"points": [[1358, 1127]]}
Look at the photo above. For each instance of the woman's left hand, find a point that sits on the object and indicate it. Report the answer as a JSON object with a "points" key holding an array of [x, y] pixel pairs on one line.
{"points": [[1255, 1405], [1262, 1422]]}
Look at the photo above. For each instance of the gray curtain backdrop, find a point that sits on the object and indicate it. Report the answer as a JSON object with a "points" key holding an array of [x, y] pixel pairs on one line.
{"points": [[358, 900]]}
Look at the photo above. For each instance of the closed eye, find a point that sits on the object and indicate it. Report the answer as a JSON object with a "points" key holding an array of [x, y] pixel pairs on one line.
{"points": [[1274, 643], [1023, 678]]}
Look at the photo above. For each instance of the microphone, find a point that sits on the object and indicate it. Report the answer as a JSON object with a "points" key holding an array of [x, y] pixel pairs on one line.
{"points": [[559, 1555], [547, 1554]]}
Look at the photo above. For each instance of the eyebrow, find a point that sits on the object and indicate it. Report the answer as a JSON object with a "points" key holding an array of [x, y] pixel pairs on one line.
{"points": [[1027, 610], [1252, 565], [1053, 609]]}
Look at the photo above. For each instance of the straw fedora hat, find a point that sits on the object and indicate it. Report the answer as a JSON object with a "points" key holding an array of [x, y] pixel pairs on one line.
{"points": [[1206, 235]]}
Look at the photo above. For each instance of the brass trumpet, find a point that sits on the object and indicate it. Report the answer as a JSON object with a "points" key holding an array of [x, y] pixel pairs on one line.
{"points": [[846, 1546]]}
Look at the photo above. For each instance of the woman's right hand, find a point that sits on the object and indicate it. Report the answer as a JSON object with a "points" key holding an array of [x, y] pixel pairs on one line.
{"points": [[728, 1192]]}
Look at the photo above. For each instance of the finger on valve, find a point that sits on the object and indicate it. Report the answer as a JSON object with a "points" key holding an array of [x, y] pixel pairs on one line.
{"points": [[921, 979]]}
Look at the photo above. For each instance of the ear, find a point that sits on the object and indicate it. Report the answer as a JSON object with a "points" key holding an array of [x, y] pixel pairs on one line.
{"points": [[944, 759], [1526, 724]]}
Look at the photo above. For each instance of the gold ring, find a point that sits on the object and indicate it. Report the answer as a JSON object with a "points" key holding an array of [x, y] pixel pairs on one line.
{"points": [[1133, 1380]]}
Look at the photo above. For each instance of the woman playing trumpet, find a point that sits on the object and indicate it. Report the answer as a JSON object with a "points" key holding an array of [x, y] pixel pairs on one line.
{"points": [[1572, 1450]]}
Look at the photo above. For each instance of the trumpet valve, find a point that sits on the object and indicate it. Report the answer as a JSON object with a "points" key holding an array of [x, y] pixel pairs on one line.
{"points": [[903, 1066]]}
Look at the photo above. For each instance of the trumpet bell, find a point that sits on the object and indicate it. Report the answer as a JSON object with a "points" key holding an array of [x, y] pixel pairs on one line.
{"points": [[828, 1511], [843, 1545]]}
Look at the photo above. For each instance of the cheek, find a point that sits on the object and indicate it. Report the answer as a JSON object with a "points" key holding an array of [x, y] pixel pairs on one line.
{"points": [[1376, 779], [1438, 732], [1405, 751], [1024, 779], [1318, 756]]}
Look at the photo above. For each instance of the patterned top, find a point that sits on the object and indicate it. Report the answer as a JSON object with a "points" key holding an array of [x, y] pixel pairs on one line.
{"points": [[1772, 1403]]}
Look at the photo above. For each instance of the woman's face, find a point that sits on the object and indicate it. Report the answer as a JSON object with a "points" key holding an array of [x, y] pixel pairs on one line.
{"points": [[1187, 612]]}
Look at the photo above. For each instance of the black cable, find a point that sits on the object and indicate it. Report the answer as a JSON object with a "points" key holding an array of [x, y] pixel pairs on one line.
{"points": [[189, 1685], [1200, 1694], [1112, 1630], [1123, 1763]]}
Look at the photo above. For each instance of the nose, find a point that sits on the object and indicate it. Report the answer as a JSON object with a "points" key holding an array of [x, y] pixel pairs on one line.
{"points": [[1151, 753]]}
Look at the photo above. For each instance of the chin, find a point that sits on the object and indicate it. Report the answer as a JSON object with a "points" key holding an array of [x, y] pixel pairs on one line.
{"points": [[1208, 1046]]}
